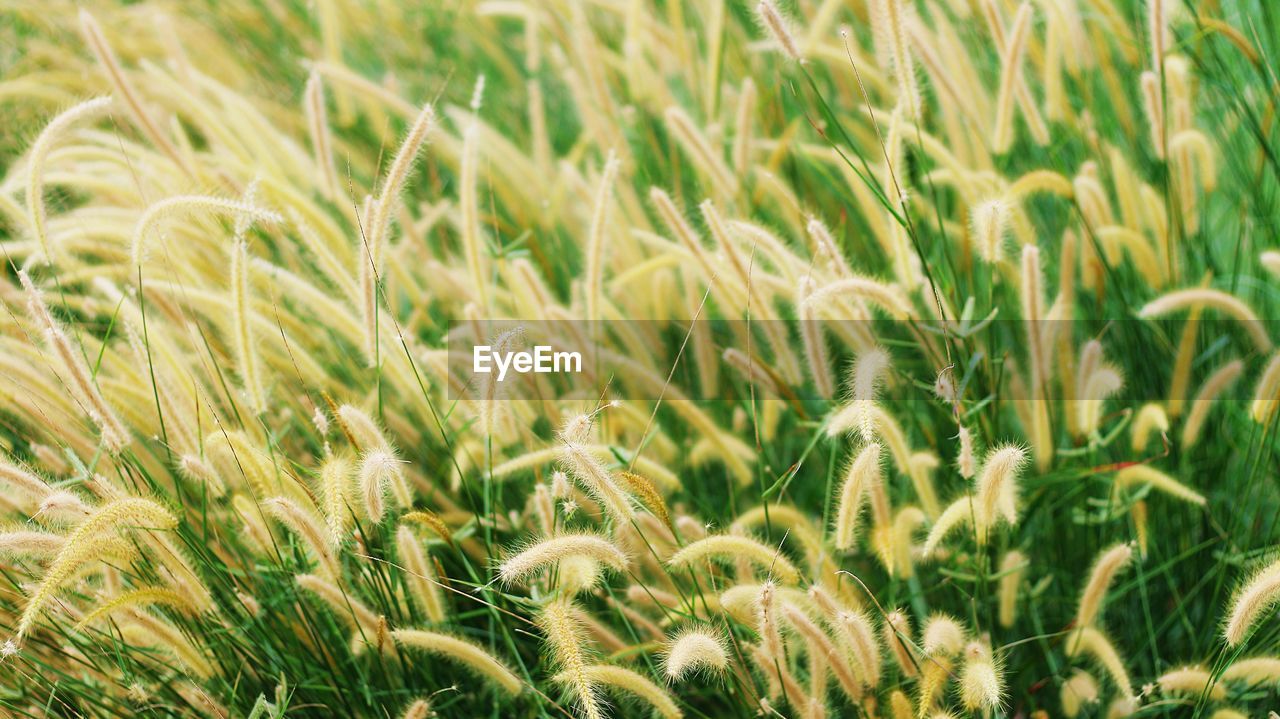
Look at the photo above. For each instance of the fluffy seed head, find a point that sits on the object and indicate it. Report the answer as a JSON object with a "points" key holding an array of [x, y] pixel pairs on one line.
{"points": [[981, 686], [1191, 681], [943, 635], [1090, 641], [778, 26], [1151, 418], [1012, 567], [1251, 602], [524, 564], [464, 652], [420, 709], [378, 471], [1078, 691], [570, 652], [725, 546], [990, 220], [695, 649], [1140, 474], [966, 460], [1218, 300], [1109, 563], [1266, 398], [767, 621], [997, 485], [630, 682], [897, 635], [862, 475]]}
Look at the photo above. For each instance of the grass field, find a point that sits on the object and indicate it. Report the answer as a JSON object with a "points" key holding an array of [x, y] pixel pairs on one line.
{"points": [[931, 372]]}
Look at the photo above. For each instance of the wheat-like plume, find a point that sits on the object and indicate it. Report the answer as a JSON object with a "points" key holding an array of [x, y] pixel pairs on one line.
{"points": [[522, 565], [1150, 418], [1216, 384], [1090, 641], [114, 433], [1266, 396], [778, 26], [28, 543], [996, 487], [1078, 691], [571, 655], [1109, 563], [469, 206], [596, 233], [420, 575], [81, 112], [1159, 481], [590, 472], [626, 680], [1012, 568], [897, 636], [157, 211], [124, 88], [464, 652], [85, 541], [146, 596], [861, 413], [419, 709], [724, 546], [695, 649], [1194, 681], [1254, 670], [820, 643], [1251, 601], [1216, 299], [990, 224], [321, 137], [308, 526], [1010, 78], [981, 685], [863, 473], [942, 636]]}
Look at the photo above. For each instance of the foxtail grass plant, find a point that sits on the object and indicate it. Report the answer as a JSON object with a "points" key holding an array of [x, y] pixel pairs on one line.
{"points": [[928, 364]]}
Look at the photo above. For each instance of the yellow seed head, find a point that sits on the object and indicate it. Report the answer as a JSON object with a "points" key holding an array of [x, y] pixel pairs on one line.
{"points": [[862, 475], [778, 26], [981, 686], [519, 567], [695, 649], [1251, 602], [464, 652], [1012, 567], [1109, 563], [897, 635], [990, 224], [1078, 691], [943, 636]]}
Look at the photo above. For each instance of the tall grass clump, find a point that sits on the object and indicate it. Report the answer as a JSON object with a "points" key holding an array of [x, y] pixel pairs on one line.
{"points": [[928, 367]]}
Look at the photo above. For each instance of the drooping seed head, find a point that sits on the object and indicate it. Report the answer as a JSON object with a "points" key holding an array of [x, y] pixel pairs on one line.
{"points": [[695, 649], [1251, 602]]}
